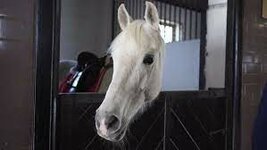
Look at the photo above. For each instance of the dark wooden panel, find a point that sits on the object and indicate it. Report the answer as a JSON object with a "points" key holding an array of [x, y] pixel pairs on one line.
{"points": [[77, 129], [177, 120], [200, 123]]}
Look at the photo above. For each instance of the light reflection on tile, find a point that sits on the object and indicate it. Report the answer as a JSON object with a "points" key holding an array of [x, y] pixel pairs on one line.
{"points": [[264, 9], [1, 33]]}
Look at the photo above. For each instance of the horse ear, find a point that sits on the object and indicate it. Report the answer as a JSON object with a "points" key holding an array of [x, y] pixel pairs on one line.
{"points": [[123, 17], [151, 15]]}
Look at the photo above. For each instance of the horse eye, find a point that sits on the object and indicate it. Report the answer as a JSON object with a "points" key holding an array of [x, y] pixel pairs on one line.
{"points": [[148, 60]]}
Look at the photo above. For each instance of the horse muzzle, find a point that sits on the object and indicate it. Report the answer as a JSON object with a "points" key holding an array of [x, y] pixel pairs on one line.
{"points": [[109, 126]]}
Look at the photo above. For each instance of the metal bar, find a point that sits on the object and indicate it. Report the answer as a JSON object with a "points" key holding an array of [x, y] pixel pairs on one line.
{"points": [[199, 25], [133, 7], [170, 13], [161, 12], [193, 19], [138, 8], [142, 9], [130, 7], [170, 19], [175, 15], [165, 13], [203, 41], [185, 24], [190, 24], [174, 20], [180, 24], [114, 19], [196, 23], [165, 18]]}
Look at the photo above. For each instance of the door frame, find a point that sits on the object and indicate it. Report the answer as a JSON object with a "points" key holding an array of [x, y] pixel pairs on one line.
{"points": [[47, 37], [233, 74]]}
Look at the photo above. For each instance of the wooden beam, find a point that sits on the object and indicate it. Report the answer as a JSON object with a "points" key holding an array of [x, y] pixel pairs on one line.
{"points": [[197, 5]]}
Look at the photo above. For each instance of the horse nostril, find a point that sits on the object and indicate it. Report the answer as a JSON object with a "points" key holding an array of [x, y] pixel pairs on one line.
{"points": [[112, 123]]}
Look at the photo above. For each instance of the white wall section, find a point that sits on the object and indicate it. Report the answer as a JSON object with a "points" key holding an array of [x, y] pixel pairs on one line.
{"points": [[181, 66], [216, 44]]}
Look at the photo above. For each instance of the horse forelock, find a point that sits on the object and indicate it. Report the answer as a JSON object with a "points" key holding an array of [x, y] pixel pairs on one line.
{"points": [[137, 37]]}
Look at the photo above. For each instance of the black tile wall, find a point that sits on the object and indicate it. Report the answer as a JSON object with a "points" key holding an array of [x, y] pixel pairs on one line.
{"points": [[254, 66]]}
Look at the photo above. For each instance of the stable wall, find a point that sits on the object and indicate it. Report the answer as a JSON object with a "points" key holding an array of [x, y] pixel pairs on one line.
{"points": [[17, 77], [86, 25]]}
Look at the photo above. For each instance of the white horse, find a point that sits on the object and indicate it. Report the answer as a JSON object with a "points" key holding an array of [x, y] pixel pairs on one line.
{"points": [[137, 53]]}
